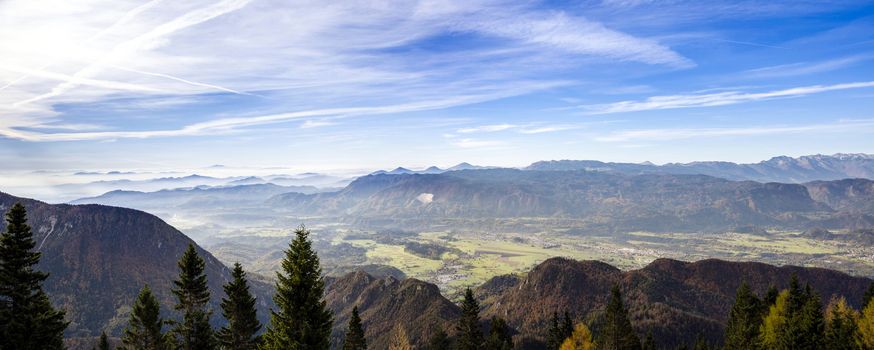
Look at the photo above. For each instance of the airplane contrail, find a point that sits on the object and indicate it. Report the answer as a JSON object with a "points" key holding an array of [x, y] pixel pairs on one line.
{"points": [[212, 86], [127, 17], [131, 46], [77, 80]]}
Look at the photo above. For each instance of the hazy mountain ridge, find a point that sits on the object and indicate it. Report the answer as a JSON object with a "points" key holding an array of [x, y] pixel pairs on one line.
{"points": [[598, 200], [777, 169], [197, 196], [432, 169]]}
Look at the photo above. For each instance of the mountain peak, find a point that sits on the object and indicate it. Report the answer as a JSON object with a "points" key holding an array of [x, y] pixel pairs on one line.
{"points": [[464, 166]]}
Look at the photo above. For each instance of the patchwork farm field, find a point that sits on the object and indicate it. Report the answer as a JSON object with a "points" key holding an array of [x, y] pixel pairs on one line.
{"points": [[454, 260]]}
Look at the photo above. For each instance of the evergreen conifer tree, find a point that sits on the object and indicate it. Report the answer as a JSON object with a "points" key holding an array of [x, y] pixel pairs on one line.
{"points": [[617, 333], [470, 336], [439, 341], [805, 325], [302, 321], [742, 328], [840, 329], [567, 326], [238, 308], [355, 333], [869, 294], [580, 339], [770, 298], [499, 335], [143, 331], [103, 344], [559, 330], [27, 318], [555, 333], [194, 331], [795, 321]]}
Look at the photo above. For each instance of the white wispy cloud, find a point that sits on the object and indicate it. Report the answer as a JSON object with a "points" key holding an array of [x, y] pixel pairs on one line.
{"points": [[147, 40], [670, 134], [486, 128], [804, 68], [716, 99], [227, 125], [527, 128], [316, 123], [298, 56]]}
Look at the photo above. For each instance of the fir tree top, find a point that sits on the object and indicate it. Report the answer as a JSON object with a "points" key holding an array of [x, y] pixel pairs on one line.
{"points": [[190, 288], [355, 333], [302, 320], [470, 336]]}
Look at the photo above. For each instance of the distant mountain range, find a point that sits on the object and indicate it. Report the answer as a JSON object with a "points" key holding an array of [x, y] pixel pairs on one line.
{"points": [[431, 169], [591, 201], [778, 169], [240, 194], [578, 195]]}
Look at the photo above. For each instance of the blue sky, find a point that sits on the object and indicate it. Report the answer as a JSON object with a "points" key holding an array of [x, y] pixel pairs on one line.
{"points": [[114, 85]]}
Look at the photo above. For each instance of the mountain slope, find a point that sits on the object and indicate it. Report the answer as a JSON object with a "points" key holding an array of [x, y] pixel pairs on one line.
{"points": [[194, 197], [673, 299], [99, 257], [386, 302], [852, 195], [595, 201]]}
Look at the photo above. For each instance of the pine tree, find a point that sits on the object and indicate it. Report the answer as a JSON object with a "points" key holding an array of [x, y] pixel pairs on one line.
{"points": [[805, 325], [559, 330], [355, 333], [303, 320], [104, 342], [555, 333], [238, 308], [399, 339], [617, 333], [470, 336], [795, 321], [580, 339], [499, 335], [770, 298], [567, 328], [27, 318], [144, 328], [194, 331], [742, 329], [840, 327], [439, 341], [869, 294]]}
